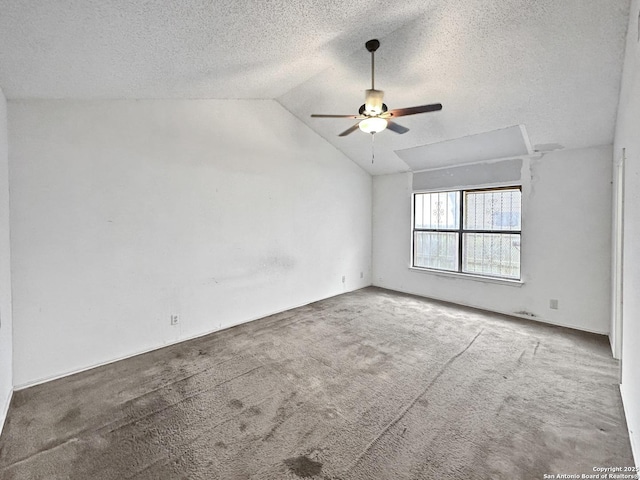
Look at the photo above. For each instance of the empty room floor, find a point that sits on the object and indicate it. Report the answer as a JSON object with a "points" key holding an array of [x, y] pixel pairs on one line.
{"points": [[371, 384]]}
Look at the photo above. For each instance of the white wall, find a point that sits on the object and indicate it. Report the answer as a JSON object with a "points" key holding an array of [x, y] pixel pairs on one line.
{"points": [[565, 244], [125, 212], [6, 356], [628, 137]]}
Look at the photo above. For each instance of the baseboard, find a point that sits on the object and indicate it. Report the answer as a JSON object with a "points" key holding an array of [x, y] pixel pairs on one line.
{"points": [[168, 344], [5, 410], [485, 309], [633, 438]]}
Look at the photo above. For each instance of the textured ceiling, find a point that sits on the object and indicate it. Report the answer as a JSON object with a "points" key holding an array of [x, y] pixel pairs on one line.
{"points": [[553, 66]]}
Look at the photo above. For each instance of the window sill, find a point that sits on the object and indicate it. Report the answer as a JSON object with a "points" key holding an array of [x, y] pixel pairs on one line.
{"points": [[469, 276]]}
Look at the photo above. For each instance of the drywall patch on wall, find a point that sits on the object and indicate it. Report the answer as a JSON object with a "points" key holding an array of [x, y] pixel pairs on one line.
{"points": [[127, 213], [6, 323], [565, 252]]}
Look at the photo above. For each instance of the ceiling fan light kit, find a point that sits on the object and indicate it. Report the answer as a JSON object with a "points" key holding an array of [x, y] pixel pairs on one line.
{"points": [[373, 115], [372, 125]]}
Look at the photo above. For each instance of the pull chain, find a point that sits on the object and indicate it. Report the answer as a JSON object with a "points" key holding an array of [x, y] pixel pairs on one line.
{"points": [[373, 153]]}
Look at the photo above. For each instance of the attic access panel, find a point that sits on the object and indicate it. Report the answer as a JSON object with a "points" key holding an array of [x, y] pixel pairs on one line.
{"points": [[496, 144]]}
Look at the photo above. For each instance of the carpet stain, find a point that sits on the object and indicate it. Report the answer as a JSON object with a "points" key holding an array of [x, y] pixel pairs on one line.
{"points": [[18, 400], [235, 403], [70, 415], [303, 466], [253, 411], [278, 421]]}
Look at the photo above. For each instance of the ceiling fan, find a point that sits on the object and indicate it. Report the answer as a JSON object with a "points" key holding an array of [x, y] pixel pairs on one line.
{"points": [[374, 116]]}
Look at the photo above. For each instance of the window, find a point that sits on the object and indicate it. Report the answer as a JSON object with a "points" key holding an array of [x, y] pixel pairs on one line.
{"points": [[468, 231]]}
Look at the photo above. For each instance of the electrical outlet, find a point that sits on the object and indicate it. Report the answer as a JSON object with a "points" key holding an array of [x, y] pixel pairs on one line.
{"points": [[361, 275], [343, 278], [174, 319], [553, 303]]}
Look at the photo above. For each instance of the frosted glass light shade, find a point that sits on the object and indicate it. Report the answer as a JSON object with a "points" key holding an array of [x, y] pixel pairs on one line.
{"points": [[372, 125]]}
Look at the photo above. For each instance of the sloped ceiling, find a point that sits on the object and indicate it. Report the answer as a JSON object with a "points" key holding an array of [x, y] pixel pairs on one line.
{"points": [[551, 66]]}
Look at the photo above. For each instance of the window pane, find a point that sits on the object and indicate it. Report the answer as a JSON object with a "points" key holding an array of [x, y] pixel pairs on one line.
{"points": [[492, 210], [435, 250], [495, 254], [439, 210]]}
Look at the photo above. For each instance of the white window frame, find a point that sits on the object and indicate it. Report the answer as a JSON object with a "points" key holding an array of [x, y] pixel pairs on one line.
{"points": [[460, 231]]}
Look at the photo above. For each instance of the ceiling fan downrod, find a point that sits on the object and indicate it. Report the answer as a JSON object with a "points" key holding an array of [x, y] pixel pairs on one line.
{"points": [[372, 46]]}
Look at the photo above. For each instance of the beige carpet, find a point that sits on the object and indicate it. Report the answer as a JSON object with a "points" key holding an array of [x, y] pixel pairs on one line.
{"points": [[368, 385]]}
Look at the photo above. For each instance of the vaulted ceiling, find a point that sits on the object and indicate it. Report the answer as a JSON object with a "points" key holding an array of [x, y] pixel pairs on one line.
{"points": [[552, 66]]}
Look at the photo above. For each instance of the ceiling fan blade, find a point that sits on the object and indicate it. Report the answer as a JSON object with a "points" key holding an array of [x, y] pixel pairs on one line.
{"points": [[349, 130], [394, 127], [401, 112], [319, 115]]}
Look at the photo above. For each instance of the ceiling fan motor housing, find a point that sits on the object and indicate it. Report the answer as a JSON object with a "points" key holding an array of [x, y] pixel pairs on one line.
{"points": [[373, 102]]}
